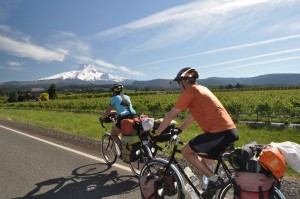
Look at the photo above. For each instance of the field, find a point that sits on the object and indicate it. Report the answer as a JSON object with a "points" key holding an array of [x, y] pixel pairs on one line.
{"points": [[265, 105]]}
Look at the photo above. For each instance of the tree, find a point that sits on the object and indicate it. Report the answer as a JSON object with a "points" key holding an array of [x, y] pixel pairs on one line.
{"points": [[52, 92], [44, 97], [238, 85], [13, 97]]}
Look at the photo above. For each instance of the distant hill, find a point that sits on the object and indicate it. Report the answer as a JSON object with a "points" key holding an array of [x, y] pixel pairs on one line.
{"points": [[262, 80], [288, 79]]}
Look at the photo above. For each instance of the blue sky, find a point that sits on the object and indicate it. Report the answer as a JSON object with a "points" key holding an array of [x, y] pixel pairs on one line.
{"points": [[145, 40]]}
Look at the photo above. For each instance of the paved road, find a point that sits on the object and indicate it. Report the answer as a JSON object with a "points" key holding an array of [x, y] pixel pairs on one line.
{"points": [[34, 168]]}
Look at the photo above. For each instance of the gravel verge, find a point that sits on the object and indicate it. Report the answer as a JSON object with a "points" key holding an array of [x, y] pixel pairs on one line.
{"points": [[290, 187]]}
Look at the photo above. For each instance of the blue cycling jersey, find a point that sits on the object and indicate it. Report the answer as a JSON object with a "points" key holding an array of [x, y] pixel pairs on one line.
{"points": [[122, 110]]}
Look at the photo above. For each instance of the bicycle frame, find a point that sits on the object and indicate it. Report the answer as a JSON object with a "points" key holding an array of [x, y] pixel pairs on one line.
{"points": [[172, 161]]}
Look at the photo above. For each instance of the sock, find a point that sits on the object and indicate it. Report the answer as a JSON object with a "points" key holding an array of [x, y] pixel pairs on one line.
{"points": [[214, 178]]}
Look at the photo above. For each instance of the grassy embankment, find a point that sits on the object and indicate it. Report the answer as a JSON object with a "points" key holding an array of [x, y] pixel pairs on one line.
{"points": [[87, 125]]}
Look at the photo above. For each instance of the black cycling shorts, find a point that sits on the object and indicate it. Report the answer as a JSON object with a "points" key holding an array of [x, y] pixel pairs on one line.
{"points": [[130, 116], [214, 143]]}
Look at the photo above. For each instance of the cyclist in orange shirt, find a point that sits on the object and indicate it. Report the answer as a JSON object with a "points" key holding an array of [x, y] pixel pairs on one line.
{"points": [[217, 125]]}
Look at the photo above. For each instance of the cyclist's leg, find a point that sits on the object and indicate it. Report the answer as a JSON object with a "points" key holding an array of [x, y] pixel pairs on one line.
{"points": [[198, 162], [116, 130], [115, 135]]}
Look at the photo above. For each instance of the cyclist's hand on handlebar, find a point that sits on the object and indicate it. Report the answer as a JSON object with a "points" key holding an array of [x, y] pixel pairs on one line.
{"points": [[152, 134], [176, 131]]}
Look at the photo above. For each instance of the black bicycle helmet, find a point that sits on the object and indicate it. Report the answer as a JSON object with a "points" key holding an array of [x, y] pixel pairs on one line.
{"points": [[117, 88], [187, 73]]}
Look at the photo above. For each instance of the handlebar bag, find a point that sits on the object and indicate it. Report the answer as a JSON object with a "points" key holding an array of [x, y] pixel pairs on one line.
{"points": [[131, 148]]}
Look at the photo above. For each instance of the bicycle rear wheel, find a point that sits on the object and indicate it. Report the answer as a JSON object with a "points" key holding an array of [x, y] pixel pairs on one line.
{"points": [[144, 154], [109, 149], [227, 192], [172, 186], [137, 165]]}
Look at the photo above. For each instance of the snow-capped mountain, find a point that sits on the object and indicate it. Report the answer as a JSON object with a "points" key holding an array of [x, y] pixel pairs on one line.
{"points": [[86, 72]]}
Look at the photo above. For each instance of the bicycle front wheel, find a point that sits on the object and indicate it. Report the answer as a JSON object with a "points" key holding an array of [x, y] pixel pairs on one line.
{"points": [[172, 184], [109, 149], [227, 192]]}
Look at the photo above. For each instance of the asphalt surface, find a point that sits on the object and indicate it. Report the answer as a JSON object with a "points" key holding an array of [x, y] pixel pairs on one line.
{"points": [[32, 167]]}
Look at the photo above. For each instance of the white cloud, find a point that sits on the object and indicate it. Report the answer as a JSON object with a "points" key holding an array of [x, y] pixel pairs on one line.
{"points": [[14, 63], [15, 66], [220, 50], [70, 43], [259, 63], [24, 49], [199, 18], [251, 58]]}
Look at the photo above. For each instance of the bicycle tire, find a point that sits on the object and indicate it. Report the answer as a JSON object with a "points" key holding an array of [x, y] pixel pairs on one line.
{"points": [[158, 165], [136, 166], [108, 149], [227, 192], [278, 194]]}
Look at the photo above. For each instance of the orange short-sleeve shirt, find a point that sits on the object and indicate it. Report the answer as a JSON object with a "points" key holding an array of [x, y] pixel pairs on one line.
{"points": [[206, 109]]}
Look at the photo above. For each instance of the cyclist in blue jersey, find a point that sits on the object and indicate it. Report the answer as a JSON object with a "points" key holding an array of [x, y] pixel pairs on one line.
{"points": [[123, 106]]}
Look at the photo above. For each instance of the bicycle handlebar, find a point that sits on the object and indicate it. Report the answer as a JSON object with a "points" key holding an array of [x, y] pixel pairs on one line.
{"points": [[101, 122]]}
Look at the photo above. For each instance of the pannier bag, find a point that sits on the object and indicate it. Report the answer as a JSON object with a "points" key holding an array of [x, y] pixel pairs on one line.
{"points": [[128, 126], [253, 185], [272, 160], [156, 186], [131, 148], [151, 187]]}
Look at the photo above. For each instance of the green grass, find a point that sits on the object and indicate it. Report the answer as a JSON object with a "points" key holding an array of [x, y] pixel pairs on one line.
{"points": [[87, 125]]}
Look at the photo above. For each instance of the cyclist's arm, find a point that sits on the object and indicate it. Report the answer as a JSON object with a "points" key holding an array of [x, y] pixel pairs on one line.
{"points": [[187, 122], [167, 120], [107, 111]]}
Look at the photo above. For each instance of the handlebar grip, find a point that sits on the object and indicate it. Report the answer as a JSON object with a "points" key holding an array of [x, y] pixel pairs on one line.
{"points": [[176, 131]]}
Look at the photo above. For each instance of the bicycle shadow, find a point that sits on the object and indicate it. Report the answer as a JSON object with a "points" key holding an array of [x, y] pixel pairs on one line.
{"points": [[88, 181]]}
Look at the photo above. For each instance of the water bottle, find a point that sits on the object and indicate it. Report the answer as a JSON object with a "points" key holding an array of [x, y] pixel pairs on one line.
{"points": [[204, 177], [204, 182], [194, 180]]}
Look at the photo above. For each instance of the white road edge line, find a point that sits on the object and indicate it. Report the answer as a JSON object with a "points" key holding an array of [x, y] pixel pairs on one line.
{"points": [[68, 149]]}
